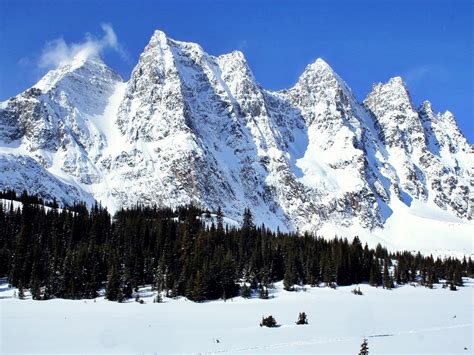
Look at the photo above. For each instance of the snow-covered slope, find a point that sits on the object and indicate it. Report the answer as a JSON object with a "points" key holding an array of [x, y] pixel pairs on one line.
{"points": [[404, 320], [189, 127]]}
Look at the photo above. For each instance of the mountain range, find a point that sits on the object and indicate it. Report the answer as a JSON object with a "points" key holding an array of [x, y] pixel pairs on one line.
{"points": [[192, 128]]}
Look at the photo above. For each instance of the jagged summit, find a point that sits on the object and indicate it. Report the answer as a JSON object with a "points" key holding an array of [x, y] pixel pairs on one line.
{"points": [[394, 91], [319, 77], [319, 69], [189, 127], [426, 106], [91, 67], [397, 80], [320, 64], [158, 36]]}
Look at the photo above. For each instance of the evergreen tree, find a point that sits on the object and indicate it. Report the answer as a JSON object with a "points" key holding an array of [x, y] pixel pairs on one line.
{"points": [[263, 293], [35, 291], [113, 289], [375, 276], [246, 292], [364, 348], [387, 279], [220, 220], [21, 293], [289, 280], [247, 222], [158, 298]]}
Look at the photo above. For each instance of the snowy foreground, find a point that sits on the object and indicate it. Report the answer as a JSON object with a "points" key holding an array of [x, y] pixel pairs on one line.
{"points": [[404, 320]]}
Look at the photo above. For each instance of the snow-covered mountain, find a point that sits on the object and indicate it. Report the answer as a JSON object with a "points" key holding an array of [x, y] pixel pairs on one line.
{"points": [[189, 127]]}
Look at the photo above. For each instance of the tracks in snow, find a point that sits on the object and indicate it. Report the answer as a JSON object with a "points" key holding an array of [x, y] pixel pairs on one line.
{"points": [[338, 339]]}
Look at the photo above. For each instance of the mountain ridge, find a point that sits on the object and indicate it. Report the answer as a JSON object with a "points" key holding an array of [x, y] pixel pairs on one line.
{"points": [[188, 127]]}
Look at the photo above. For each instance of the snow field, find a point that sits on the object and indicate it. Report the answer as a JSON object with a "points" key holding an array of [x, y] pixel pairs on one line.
{"points": [[403, 320]]}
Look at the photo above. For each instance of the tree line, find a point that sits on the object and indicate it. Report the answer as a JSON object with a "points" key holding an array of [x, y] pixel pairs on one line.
{"points": [[75, 253]]}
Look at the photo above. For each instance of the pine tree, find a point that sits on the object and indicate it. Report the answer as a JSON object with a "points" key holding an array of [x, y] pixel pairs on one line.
{"points": [[199, 289], [247, 222], [113, 284], [246, 292], [375, 276], [263, 293], [220, 220], [431, 279], [364, 348], [387, 279], [21, 293], [35, 291], [290, 277], [457, 275], [289, 280], [158, 298]]}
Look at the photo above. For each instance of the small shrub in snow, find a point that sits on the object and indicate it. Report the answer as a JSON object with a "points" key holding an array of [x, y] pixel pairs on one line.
{"points": [[357, 291], [269, 322], [302, 319]]}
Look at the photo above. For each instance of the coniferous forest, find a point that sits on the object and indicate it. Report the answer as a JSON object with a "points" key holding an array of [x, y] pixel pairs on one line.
{"points": [[77, 252]]}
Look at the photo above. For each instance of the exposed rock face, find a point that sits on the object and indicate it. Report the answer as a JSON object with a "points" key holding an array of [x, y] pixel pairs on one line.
{"points": [[428, 152], [193, 128]]}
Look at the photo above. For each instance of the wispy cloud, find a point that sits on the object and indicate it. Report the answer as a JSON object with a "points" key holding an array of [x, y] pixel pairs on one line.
{"points": [[418, 74], [24, 62], [58, 52], [243, 44]]}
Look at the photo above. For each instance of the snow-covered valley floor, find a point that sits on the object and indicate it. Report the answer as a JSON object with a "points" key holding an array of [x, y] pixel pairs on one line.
{"points": [[407, 319]]}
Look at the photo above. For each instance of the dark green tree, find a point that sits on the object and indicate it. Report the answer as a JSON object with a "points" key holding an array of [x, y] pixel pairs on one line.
{"points": [[364, 348]]}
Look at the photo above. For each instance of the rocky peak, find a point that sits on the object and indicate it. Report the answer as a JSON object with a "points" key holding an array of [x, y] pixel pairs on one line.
{"points": [[158, 38], [426, 107], [234, 62], [397, 122], [324, 98], [318, 73], [392, 96], [86, 70], [152, 102]]}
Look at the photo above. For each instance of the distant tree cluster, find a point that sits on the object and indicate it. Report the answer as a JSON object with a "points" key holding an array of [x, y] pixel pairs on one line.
{"points": [[24, 197], [75, 253]]}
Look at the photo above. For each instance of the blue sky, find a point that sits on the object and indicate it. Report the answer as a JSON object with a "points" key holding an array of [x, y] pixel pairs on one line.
{"points": [[427, 42]]}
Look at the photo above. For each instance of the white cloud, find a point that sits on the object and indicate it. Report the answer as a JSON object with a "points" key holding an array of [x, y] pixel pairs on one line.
{"points": [[58, 52], [110, 38], [242, 44], [422, 73], [415, 75]]}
